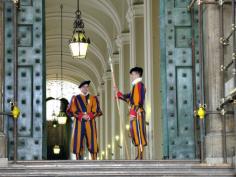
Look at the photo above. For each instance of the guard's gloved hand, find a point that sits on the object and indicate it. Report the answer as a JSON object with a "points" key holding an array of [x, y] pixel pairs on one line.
{"points": [[132, 113], [119, 94], [80, 116], [91, 116]]}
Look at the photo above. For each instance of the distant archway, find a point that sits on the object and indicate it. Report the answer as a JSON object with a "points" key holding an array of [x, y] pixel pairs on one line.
{"points": [[58, 95]]}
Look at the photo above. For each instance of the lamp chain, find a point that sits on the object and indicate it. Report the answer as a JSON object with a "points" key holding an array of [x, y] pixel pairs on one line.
{"points": [[61, 55], [78, 23]]}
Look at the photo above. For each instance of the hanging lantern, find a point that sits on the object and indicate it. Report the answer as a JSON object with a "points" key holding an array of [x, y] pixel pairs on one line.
{"points": [[62, 118], [56, 149], [79, 42]]}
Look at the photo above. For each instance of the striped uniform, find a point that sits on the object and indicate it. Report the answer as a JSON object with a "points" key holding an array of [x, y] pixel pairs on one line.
{"points": [[81, 104], [136, 101]]}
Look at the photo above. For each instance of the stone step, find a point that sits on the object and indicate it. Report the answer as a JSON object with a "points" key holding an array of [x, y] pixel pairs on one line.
{"points": [[108, 161], [115, 168], [116, 164]]}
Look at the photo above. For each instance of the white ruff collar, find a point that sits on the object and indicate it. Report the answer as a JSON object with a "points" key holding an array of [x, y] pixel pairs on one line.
{"points": [[84, 94], [137, 81]]}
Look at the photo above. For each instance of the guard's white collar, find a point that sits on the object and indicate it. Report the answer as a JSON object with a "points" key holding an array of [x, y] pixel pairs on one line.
{"points": [[84, 94], [137, 81]]}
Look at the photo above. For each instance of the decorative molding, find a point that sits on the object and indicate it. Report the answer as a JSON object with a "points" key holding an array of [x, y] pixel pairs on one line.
{"points": [[101, 88], [93, 48], [84, 63], [134, 12], [115, 59], [70, 69], [96, 51], [123, 38], [111, 11], [107, 76]]}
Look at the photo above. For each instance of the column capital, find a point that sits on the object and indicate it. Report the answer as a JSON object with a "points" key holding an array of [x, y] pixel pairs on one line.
{"points": [[135, 10], [101, 87], [107, 75], [115, 59], [123, 38]]}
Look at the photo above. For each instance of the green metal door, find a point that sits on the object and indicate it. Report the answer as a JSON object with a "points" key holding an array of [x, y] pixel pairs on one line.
{"points": [[31, 78], [177, 80]]}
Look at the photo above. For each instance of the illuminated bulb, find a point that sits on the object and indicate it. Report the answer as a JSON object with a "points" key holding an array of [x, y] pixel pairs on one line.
{"points": [[117, 137], [62, 118], [56, 149], [127, 126]]}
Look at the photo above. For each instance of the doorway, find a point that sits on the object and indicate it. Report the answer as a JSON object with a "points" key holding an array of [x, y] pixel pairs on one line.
{"points": [[44, 59]]}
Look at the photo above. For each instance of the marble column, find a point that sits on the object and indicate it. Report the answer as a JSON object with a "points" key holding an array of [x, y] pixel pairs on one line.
{"points": [[107, 118], [148, 74], [213, 87], [123, 42], [228, 56], [101, 127], [152, 80], [135, 18]]}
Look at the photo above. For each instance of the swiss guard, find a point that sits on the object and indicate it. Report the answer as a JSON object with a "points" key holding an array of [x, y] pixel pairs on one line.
{"points": [[135, 99], [84, 108]]}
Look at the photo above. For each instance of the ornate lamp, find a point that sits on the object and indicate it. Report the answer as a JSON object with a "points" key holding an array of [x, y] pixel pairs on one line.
{"points": [[56, 149], [79, 42], [62, 118]]}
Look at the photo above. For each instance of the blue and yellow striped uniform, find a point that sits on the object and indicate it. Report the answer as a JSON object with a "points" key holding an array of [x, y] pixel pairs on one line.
{"points": [[136, 100], [81, 104]]}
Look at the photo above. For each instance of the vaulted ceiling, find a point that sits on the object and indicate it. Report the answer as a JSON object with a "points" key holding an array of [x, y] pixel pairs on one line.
{"points": [[103, 19]]}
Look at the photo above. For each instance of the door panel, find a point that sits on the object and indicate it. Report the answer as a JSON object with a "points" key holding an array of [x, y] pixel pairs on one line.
{"points": [[177, 80], [31, 78]]}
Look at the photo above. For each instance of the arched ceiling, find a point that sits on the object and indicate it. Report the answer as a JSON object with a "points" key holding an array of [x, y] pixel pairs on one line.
{"points": [[103, 19]]}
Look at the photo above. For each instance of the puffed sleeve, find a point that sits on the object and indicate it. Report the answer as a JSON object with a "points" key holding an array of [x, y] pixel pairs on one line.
{"points": [[96, 109], [139, 95], [126, 97], [72, 109]]}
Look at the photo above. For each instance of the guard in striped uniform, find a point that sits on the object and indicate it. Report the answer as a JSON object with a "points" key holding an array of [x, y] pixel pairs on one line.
{"points": [[84, 108], [135, 99]]}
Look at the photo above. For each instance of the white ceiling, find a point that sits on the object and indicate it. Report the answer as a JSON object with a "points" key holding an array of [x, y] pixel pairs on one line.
{"points": [[103, 19]]}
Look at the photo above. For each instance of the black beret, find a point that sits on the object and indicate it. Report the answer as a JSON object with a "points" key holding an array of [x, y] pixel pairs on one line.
{"points": [[83, 83], [137, 69]]}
